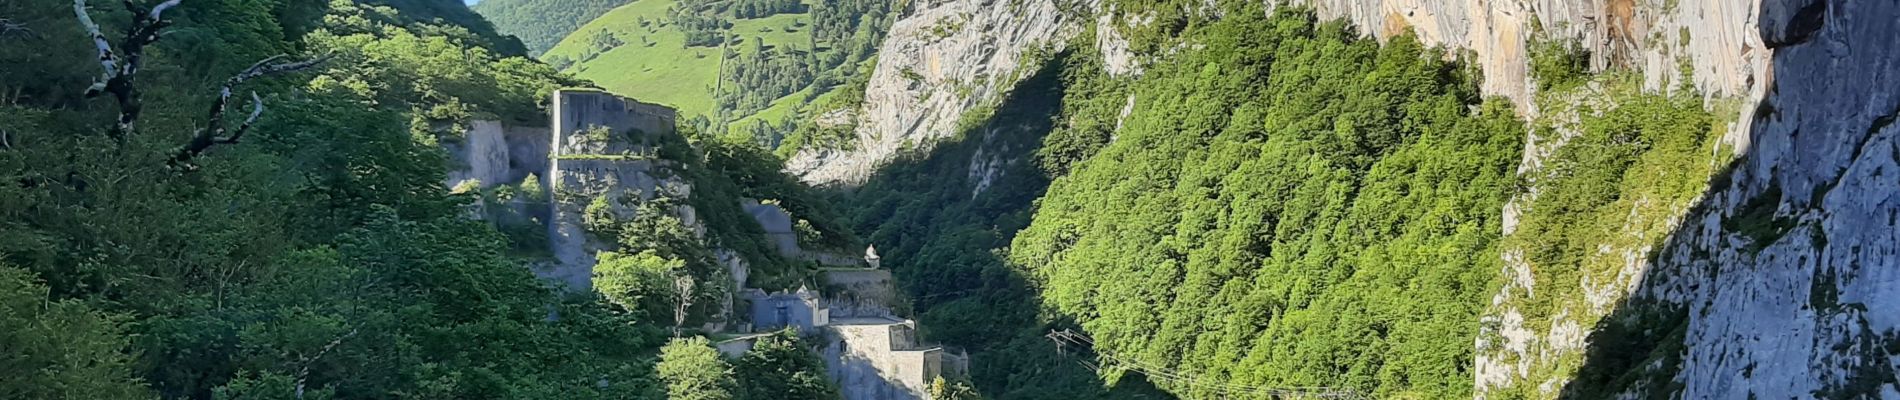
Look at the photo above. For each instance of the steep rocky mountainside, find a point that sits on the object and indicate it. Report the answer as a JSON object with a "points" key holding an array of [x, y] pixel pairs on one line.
{"points": [[951, 56], [943, 67], [1761, 275], [1784, 272]]}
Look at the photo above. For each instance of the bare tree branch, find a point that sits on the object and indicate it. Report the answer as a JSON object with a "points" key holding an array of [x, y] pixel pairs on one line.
{"points": [[120, 68], [8, 28], [257, 108], [107, 60], [304, 373], [214, 132]]}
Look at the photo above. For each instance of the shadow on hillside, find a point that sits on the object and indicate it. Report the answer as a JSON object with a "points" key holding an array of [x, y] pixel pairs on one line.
{"points": [[939, 218], [1761, 200]]}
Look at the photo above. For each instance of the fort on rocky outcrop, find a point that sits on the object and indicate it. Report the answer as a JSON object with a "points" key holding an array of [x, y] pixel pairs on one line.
{"points": [[597, 144], [601, 145], [491, 153]]}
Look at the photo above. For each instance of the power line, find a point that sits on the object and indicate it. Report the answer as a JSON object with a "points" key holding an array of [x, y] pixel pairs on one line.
{"points": [[1068, 337]]}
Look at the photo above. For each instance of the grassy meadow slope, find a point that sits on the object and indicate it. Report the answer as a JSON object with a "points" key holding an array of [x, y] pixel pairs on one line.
{"points": [[654, 64]]}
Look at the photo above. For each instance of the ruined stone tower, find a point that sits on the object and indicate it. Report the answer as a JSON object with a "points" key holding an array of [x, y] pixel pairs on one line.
{"points": [[603, 145]]}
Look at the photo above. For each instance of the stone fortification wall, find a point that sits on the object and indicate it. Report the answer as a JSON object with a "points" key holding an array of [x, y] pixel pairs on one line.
{"points": [[491, 153], [859, 292], [876, 358], [779, 232], [601, 145]]}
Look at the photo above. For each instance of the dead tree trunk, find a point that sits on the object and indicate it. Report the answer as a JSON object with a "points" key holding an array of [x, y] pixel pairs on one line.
{"points": [[121, 68], [119, 72], [214, 132], [682, 287]]}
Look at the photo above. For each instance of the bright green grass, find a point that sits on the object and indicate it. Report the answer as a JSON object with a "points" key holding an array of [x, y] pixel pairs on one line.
{"points": [[778, 111], [797, 103], [777, 30], [665, 72]]}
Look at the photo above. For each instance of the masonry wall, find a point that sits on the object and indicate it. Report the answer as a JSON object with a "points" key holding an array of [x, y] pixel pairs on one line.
{"points": [[859, 358], [584, 165], [493, 153], [779, 232], [777, 225], [869, 353], [859, 292], [781, 310]]}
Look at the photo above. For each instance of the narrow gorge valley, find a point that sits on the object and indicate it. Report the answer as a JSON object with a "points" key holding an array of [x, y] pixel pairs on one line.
{"points": [[949, 199]]}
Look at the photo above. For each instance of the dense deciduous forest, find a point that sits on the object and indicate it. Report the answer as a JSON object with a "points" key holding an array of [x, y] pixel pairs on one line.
{"points": [[1312, 209], [1276, 136], [1286, 204], [309, 248], [539, 23], [843, 36]]}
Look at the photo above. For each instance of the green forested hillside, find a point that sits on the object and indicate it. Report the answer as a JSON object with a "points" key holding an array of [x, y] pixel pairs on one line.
{"points": [[542, 23], [297, 241], [452, 13], [1289, 205], [941, 240], [637, 51]]}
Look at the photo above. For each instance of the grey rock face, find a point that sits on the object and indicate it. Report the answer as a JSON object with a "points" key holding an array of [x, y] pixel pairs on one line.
{"points": [[495, 154], [947, 58], [1809, 314], [1796, 316], [1814, 311], [601, 146], [1717, 37]]}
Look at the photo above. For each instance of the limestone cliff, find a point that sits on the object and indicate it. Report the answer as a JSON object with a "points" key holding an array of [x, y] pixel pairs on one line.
{"points": [[1716, 37], [1806, 306], [1759, 316], [943, 60], [947, 58], [1793, 312]]}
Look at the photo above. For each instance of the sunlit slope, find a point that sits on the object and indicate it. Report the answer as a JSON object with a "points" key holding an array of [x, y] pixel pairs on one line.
{"points": [[653, 64]]}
